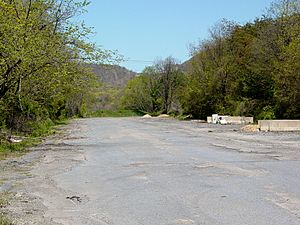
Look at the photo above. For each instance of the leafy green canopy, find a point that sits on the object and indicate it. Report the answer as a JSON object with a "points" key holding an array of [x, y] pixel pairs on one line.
{"points": [[41, 56], [156, 89], [247, 70]]}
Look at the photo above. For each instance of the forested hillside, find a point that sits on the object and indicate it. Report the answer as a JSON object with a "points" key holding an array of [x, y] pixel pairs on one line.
{"points": [[250, 70], [113, 79], [112, 75]]}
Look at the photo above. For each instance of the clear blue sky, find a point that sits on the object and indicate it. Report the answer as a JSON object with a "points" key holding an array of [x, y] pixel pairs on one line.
{"points": [[147, 30]]}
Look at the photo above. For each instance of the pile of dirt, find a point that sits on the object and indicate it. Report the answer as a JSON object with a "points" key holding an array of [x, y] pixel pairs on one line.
{"points": [[250, 128], [147, 116], [163, 116]]}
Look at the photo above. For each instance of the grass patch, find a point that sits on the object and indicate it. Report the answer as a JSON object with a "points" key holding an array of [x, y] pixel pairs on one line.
{"points": [[38, 130], [4, 196], [16, 149], [46, 128], [4, 220], [3, 202], [116, 113]]}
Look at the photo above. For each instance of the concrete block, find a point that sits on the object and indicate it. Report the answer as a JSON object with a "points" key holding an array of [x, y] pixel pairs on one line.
{"points": [[279, 125], [215, 118], [239, 120], [223, 120]]}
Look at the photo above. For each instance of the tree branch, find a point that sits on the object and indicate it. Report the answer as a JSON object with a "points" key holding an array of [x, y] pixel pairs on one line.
{"points": [[29, 9]]}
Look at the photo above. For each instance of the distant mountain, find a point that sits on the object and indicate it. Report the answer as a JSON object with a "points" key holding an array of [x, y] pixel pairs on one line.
{"points": [[113, 75], [118, 76]]}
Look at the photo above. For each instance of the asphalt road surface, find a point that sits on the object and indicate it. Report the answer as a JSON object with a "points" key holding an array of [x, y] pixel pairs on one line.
{"points": [[165, 172]]}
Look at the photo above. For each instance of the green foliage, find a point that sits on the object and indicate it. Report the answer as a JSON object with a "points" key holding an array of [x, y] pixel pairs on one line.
{"points": [[5, 221], [287, 73], [117, 113], [267, 113], [198, 100], [157, 89], [248, 70], [36, 130], [42, 129], [14, 149], [109, 98], [140, 94], [3, 202], [42, 72]]}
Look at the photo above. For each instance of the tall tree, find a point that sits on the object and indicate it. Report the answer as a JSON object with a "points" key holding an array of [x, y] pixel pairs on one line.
{"points": [[170, 78], [156, 89], [41, 55]]}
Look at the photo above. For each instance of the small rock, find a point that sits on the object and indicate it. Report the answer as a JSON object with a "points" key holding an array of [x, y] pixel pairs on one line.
{"points": [[74, 198]]}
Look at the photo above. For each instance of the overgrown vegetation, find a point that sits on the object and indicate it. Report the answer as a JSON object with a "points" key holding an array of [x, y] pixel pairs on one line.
{"points": [[116, 113], [3, 203], [43, 77], [157, 89], [248, 70], [4, 220], [9, 149]]}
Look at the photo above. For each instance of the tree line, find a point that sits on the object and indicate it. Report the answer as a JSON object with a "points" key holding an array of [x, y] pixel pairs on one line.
{"points": [[247, 70], [42, 50]]}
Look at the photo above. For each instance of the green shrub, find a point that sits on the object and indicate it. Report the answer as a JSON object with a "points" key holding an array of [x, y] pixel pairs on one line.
{"points": [[42, 128], [267, 113], [117, 113], [4, 220]]}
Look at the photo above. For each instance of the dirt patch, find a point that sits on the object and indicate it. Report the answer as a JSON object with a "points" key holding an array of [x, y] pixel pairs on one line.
{"points": [[250, 128], [18, 174]]}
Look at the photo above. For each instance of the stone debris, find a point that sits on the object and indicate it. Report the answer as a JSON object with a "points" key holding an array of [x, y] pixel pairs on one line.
{"points": [[74, 198]]}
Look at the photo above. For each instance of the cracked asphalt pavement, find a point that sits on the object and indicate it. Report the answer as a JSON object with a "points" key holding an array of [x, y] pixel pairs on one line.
{"points": [[134, 171]]}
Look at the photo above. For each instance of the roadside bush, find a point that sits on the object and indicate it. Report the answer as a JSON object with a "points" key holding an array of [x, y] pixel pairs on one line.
{"points": [[267, 113], [4, 220]]}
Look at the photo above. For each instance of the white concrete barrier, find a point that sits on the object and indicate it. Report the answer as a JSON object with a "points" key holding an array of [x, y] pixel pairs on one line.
{"points": [[215, 118], [240, 120], [279, 125], [209, 119]]}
